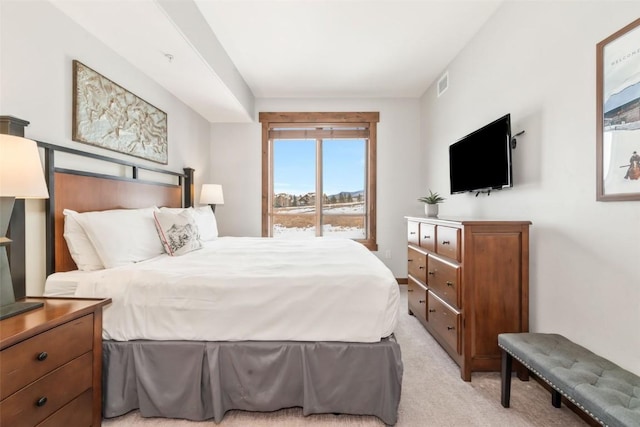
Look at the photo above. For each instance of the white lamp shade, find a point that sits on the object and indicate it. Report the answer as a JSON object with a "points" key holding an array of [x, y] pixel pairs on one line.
{"points": [[21, 173], [211, 194]]}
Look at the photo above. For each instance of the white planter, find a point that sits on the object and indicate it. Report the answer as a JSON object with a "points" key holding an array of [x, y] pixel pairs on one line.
{"points": [[431, 210]]}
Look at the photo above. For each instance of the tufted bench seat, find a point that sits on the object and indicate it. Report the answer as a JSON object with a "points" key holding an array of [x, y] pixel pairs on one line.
{"points": [[602, 389]]}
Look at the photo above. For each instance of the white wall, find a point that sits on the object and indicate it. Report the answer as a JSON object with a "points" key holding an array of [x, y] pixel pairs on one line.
{"points": [[37, 46], [236, 164], [536, 60]]}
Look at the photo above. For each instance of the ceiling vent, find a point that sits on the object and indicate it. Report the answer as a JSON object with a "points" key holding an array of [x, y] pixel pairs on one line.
{"points": [[443, 84]]}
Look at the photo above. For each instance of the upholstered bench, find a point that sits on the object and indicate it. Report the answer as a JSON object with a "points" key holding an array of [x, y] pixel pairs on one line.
{"points": [[602, 389]]}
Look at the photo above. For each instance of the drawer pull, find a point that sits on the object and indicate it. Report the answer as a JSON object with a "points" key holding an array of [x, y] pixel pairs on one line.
{"points": [[449, 283], [412, 232], [410, 260], [421, 267], [432, 310], [409, 290], [432, 273], [450, 328], [422, 301], [42, 356], [426, 237], [41, 402], [446, 242]]}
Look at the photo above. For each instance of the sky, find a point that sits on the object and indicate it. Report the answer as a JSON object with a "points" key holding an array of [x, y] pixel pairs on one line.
{"points": [[294, 166]]}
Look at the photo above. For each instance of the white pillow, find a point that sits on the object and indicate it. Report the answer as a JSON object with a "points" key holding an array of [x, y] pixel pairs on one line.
{"points": [[80, 247], [122, 236], [207, 223], [178, 232], [173, 210], [205, 220]]}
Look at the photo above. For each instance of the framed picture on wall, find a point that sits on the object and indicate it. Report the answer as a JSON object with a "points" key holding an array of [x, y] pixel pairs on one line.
{"points": [[108, 116], [618, 113]]}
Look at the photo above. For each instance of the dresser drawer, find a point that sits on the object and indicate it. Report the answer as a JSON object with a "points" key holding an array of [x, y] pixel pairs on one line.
{"points": [[448, 242], [40, 399], [445, 321], [413, 232], [443, 278], [28, 360], [428, 236], [417, 264], [417, 298]]}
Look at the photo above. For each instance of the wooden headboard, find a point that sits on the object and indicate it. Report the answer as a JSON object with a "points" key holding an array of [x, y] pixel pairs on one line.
{"points": [[84, 191]]}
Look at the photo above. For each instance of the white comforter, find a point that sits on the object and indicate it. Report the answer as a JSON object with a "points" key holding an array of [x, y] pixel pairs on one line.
{"points": [[239, 288]]}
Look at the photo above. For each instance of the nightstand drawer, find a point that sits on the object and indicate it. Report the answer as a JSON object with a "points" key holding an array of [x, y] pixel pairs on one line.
{"points": [[76, 413], [443, 279], [40, 399], [28, 360]]}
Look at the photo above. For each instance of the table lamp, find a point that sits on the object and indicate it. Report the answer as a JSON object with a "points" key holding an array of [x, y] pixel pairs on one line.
{"points": [[211, 194], [21, 177]]}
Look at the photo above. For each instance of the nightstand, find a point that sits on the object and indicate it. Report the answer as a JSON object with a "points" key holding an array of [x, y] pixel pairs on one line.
{"points": [[51, 364]]}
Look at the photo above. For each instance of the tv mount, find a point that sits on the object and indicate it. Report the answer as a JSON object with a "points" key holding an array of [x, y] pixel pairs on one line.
{"points": [[483, 191], [514, 141]]}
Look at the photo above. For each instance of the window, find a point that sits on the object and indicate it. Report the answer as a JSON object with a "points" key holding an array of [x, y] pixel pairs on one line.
{"points": [[328, 154]]}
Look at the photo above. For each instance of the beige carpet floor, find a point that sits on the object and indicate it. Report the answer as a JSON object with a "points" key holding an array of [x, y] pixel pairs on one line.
{"points": [[432, 395]]}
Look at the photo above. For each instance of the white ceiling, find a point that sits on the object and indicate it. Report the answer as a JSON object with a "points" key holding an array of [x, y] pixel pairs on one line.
{"points": [[228, 52]]}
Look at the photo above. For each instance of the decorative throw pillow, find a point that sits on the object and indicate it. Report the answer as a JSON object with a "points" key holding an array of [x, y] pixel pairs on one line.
{"points": [[205, 220], [80, 247], [178, 232]]}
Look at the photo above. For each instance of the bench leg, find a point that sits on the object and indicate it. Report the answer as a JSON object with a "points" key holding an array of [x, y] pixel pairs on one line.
{"points": [[505, 375], [556, 398], [522, 371]]}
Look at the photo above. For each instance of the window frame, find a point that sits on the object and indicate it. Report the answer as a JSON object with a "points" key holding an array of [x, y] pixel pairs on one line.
{"points": [[283, 120]]}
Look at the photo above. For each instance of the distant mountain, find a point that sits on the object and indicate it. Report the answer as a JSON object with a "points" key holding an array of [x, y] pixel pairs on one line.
{"points": [[625, 96]]}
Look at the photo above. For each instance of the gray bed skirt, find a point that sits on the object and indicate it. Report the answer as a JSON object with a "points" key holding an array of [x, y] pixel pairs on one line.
{"points": [[201, 380]]}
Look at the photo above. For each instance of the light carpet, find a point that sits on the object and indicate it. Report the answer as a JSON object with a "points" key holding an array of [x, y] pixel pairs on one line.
{"points": [[433, 394]]}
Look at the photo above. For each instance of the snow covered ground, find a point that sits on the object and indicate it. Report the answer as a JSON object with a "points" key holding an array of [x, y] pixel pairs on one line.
{"points": [[327, 231], [281, 230], [342, 208]]}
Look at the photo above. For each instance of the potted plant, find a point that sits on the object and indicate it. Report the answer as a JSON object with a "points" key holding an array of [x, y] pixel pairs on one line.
{"points": [[431, 203]]}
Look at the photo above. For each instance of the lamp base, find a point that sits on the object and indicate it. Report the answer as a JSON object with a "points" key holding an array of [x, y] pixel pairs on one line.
{"points": [[15, 308]]}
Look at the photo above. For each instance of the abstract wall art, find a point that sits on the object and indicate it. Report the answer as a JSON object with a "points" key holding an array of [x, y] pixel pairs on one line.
{"points": [[108, 116]]}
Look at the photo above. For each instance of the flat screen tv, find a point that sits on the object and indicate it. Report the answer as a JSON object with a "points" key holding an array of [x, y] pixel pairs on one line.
{"points": [[481, 161]]}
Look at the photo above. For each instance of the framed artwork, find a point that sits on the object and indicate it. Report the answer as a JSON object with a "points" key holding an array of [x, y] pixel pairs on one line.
{"points": [[108, 116], [618, 112]]}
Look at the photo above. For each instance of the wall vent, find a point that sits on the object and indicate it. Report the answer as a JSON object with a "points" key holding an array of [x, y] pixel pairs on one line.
{"points": [[443, 84]]}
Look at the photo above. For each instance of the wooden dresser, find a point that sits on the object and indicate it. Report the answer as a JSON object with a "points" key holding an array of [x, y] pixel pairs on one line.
{"points": [[51, 364], [468, 281]]}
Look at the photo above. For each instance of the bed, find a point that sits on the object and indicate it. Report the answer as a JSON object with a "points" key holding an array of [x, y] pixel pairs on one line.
{"points": [[254, 324]]}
